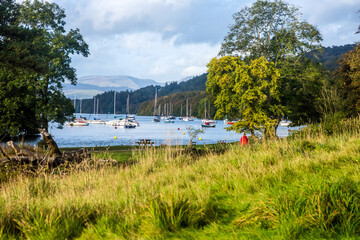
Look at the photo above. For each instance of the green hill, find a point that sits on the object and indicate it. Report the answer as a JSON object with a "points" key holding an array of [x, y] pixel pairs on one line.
{"points": [[106, 100], [177, 102], [330, 55]]}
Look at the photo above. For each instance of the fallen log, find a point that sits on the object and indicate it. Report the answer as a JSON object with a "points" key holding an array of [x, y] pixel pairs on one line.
{"points": [[20, 151], [53, 158]]}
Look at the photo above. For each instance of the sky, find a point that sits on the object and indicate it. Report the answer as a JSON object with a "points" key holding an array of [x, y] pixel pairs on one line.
{"points": [[168, 40]]}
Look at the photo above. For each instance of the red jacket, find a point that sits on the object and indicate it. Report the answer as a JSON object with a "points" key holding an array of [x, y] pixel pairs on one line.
{"points": [[244, 140]]}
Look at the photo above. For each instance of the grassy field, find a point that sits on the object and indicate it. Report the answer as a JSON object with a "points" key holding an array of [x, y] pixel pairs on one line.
{"points": [[302, 187]]}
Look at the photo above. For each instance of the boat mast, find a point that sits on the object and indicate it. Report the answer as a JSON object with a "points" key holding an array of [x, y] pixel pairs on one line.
{"points": [[80, 105], [114, 102], [187, 105], [94, 105], [127, 106], [75, 103], [205, 110], [155, 102], [97, 107]]}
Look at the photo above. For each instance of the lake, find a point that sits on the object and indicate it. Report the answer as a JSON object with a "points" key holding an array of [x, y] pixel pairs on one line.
{"points": [[161, 133]]}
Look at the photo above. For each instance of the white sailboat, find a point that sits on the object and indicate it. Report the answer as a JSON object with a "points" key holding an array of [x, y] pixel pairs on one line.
{"points": [[156, 117], [188, 118], [205, 119]]}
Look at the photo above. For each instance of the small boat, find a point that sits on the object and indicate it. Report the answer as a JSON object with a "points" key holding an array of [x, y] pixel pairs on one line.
{"points": [[207, 125], [226, 122], [156, 118], [96, 121], [208, 121], [205, 119], [77, 123], [285, 123], [168, 120], [188, 119]]}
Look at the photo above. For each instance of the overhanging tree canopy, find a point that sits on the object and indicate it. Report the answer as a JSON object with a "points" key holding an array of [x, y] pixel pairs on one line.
{"points": [[58, 46], [35, 59]]}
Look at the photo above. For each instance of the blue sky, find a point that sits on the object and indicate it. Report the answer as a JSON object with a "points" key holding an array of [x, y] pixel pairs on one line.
{"points": [[167, 40]]}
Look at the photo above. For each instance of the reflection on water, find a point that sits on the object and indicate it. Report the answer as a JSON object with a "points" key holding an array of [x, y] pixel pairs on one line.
{"points": [[160, 133]]}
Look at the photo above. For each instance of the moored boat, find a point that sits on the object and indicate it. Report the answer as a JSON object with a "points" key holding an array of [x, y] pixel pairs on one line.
{"points": [[285, 123], [208, 125]]}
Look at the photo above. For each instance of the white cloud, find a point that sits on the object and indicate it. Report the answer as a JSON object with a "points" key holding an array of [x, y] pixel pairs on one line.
{"points": [[146, 55], [168, 39], [193, 71]]}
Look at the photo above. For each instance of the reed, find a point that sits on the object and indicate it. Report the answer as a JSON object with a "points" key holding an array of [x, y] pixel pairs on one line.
{"points": [[305, 186]]}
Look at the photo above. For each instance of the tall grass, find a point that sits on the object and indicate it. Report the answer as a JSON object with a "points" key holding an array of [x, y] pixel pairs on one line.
{"points": [[305, 186]]}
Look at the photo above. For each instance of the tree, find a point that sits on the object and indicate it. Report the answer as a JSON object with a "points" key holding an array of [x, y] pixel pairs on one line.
{"points": [[271, 29], [302, 88], [19, 61], [250, 92], [349, 77], [57, 48]]}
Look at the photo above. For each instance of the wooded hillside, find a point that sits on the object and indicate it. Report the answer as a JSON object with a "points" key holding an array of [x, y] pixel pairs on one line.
{"points": [[106, 100]]}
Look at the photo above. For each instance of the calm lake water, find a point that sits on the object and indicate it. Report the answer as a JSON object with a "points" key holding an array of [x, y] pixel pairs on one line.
{"points": [[161, 133]]}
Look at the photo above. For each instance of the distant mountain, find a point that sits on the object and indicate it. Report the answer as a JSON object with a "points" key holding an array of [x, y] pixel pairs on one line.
{"points": [[89, 86]]}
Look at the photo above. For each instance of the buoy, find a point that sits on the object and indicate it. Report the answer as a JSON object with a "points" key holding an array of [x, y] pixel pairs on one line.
{"points": [[115, 137], [115, 127], [178, 128], [202, 130], [200, 138], [183, 133]]}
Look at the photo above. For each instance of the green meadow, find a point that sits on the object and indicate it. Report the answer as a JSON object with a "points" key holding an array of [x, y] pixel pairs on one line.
{"points": [[302, 187]]}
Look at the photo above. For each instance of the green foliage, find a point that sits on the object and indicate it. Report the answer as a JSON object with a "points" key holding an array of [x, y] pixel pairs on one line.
{"points": [[193, 133], [250, 92], [303, 91], [271, 29], [349, 77], [59, 45], [35, 60]]}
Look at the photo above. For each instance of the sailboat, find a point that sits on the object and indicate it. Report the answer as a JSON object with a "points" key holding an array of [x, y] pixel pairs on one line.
{"points": [[181, 116], [156, 117], [188, 118], [205, 119], [129, 121], [206, 122]]}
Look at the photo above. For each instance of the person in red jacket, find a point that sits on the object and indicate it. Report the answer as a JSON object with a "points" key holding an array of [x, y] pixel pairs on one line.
{"points": [[244, 140]]}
